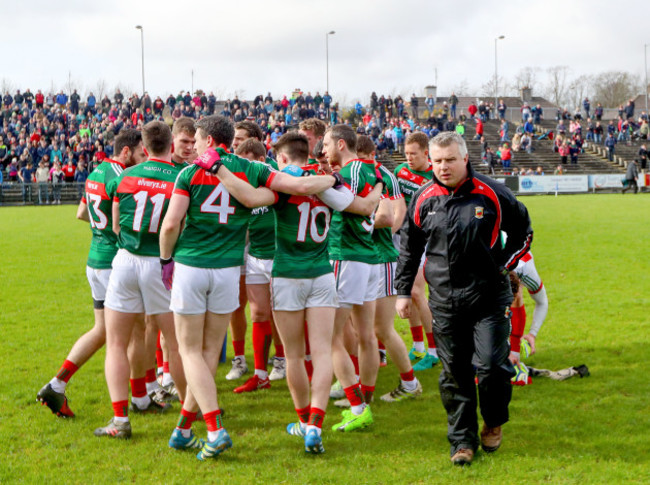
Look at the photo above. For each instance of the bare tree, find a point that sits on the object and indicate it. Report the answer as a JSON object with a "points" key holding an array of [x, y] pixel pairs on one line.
{"points": [[6, 86], [461, 88], [526, 78], [579, 89], [489, 89], [613, 88], [557, 84], [101, 88]]}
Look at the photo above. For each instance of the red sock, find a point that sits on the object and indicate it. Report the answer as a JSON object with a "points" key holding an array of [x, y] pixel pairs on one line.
{"points": [[67, 370], [355, 361], [316, 417], [121, 409], [431, 343], [309, 367], [261, 343], [407, 376], [353, 393], [416, 333], [166, 367], [159, 352], [303, 414], [138, 387], [518, 323], [367, 392], [381, 345], [213, 420], [151, 376], [279, 350], [239, 346], [186, 419]]}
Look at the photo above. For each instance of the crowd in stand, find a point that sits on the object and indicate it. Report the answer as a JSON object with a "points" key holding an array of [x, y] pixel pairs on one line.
{"points": [[47, 140]]}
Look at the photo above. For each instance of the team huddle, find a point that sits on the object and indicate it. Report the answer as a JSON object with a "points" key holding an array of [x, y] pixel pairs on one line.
{"points": [[309, 240]]}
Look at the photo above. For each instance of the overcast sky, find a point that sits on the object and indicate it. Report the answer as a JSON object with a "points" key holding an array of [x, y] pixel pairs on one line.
{"points": [[257, 46]]}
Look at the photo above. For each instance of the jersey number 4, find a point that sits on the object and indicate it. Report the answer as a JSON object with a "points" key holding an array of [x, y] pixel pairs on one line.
{"points": [[223, 208], [305, 215]]}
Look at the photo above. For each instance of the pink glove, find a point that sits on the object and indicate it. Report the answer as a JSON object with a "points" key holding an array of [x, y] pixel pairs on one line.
{"points": [[209, 161], [167, 272]]}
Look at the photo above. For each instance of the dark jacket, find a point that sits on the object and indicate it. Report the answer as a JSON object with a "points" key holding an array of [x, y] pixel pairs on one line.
{"points": [[462, 232]]}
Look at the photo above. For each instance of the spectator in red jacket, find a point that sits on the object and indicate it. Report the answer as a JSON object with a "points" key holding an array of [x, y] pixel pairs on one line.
{"points": [[472, 109], [68, 171], [479, 129]]}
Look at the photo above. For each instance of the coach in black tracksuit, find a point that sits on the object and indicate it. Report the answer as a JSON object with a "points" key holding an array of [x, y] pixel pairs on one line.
{"points": [[459, 216]]}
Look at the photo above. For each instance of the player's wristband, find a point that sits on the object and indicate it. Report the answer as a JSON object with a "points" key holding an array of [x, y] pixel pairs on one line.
{"points": [[163, 262], [338, 180]]}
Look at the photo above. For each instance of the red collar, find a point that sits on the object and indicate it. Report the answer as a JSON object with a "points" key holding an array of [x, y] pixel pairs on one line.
{"points": [[110, 160]]}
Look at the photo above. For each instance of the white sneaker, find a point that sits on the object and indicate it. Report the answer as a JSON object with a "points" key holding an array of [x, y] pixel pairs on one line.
{"points": [[279, 369], [239, 368], [336, 391]]}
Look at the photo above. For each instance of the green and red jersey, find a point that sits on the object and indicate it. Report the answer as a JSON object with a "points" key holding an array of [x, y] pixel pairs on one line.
{"points": [[302, 225], [383, 237], [351, 234], [143, 192], [410, 181], [261, 228], [215, 226], [103, 245]]}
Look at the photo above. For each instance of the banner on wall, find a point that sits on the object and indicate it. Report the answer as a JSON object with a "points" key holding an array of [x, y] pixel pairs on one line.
{"points": [[606, 181], [553, 183]]}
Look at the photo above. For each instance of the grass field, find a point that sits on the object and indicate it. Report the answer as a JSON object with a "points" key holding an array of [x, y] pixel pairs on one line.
{"points": [[592, 253]]}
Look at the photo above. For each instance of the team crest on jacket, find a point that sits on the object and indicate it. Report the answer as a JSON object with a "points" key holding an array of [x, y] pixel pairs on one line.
{"points": [[478, 212]]}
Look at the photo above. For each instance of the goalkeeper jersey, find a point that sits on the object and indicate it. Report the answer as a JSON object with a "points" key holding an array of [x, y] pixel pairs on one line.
{"points": [[302, 225], [351, 234], [261, 228], [143, 192], [410, 181], [383, 237], [103, 245], [215, 226]]}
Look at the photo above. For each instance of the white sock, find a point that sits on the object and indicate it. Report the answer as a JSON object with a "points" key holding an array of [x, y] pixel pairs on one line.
{"points": [[141, 402], [119, 420], [357, 410], [310, 427], [418, 346], [152, 387], [410, 385], [185, 432], [167, 379], [262, 374], [159, 370], [212, 435], [433, 351], [58, 385]]}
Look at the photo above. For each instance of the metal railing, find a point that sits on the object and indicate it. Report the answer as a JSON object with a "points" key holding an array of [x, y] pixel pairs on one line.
{"points": [[17, 193]]}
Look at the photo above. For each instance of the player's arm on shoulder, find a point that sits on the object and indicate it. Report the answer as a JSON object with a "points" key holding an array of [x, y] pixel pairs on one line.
{"points": [[171, 225], [82, 212], [365, 206], [115, 212], [412, 243], [244, 192], [288, 184], [384, 214]]}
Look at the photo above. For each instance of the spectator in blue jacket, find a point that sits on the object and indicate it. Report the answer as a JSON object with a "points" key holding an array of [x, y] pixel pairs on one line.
{"points": [[91, 102], [610, 143], [62, 99], [586, 106]]}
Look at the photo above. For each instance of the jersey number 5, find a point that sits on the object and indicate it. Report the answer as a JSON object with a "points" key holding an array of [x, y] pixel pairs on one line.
{"points": [[223, 208]]}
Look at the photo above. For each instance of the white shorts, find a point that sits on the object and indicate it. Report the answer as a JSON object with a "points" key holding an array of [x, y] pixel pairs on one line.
{"points": [[293, 294], [136, 286], [356, 283], [386, 272], [98, 280], [258, 271], [198, 290]]}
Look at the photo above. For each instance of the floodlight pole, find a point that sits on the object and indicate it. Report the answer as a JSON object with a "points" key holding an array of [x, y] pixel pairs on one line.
{"points": [[645, 58], [141, 29], [496, 73], [327, 59]]}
